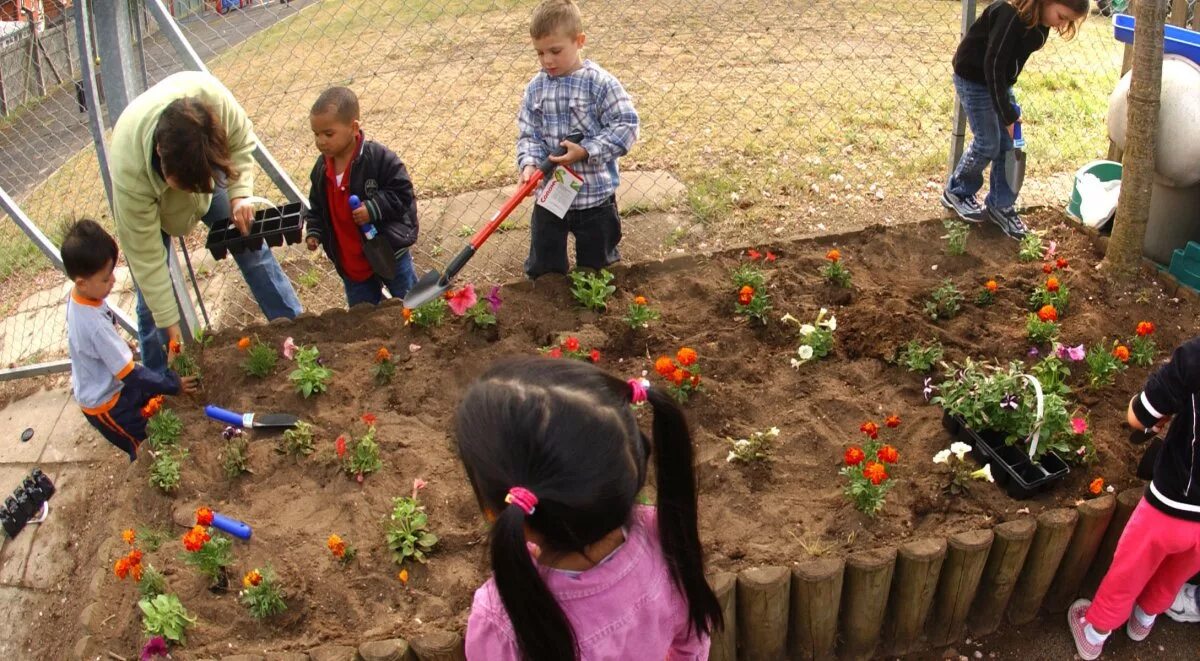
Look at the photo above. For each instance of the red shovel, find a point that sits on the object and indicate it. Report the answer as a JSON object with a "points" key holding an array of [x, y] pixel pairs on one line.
{"points": [[434, 284]]}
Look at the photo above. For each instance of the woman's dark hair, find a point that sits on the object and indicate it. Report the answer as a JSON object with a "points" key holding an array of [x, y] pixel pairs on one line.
{"points": [[87, 249], [565, 430], [193, 146]]}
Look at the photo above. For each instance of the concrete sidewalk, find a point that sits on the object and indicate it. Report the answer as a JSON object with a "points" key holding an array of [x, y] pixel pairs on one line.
{"points": [[36, 565]]}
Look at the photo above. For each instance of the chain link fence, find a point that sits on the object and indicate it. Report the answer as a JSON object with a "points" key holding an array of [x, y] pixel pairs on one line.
{"points": [[760, 119]]}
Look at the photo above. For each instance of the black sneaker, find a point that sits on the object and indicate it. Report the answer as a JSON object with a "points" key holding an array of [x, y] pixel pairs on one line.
{"points": [[1008, 221], [967, 208]]}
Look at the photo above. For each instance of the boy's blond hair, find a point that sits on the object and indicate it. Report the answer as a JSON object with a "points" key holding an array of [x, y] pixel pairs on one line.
{"points": [[556, 17]]}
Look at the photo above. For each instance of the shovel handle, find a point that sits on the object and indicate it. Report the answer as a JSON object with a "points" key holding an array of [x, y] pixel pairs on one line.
{"points": [[232, 526], [222, 415]]}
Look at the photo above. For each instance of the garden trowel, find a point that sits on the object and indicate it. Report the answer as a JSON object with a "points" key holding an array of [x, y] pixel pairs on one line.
{"points": [[434, 284], [1014, 160], [251, 420]]}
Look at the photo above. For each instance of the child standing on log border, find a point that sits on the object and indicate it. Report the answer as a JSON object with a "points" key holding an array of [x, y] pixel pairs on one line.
{"points": [[554, 453], [1160, 547], [986, 66]]}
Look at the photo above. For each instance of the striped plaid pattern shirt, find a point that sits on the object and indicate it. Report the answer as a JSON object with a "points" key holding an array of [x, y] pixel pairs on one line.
{"points": [[590, 100]]}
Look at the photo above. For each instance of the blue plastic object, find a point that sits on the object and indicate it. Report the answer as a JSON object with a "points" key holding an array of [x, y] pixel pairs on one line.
{"points": [[1176, 41], [368, 229], [222, 415], [232, 526]]}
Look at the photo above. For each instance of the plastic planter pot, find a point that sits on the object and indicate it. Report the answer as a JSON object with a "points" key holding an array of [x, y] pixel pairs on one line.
{"points": [[275, 225]]}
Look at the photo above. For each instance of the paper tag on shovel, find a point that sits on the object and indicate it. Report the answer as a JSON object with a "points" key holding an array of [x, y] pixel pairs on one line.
{"points": [[559, 191]]}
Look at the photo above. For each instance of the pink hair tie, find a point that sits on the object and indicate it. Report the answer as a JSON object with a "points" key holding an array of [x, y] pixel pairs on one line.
{"points": [[639, 388], [522, 498]]}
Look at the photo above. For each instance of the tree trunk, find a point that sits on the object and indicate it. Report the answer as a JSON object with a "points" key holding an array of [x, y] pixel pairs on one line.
{"points": [[1133, 208]]}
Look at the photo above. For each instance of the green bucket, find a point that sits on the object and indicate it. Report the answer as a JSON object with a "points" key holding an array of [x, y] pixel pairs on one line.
{"points": [[1102, 170]]}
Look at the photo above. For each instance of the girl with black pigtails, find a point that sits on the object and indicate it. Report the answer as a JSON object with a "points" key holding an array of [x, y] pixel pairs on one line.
{"points": [[580, 571]]}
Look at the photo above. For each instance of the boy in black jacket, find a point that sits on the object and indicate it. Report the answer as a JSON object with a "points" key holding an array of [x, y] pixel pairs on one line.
{"points": [[352, 165]]}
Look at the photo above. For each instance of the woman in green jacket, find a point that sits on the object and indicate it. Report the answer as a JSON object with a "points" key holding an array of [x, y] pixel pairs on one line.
{"points": [[182, 152]]}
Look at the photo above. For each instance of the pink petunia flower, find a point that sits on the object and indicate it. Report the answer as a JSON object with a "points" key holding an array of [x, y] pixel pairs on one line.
{"points": [[1079, 425], [289, 349], [462, 300]]}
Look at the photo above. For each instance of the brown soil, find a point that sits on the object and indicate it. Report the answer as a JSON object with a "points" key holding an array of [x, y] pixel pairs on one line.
{"points": [[759, 515]]}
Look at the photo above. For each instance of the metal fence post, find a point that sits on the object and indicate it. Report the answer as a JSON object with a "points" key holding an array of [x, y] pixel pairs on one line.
{"points": [[958, 138], [122, 83], [171, 30]]}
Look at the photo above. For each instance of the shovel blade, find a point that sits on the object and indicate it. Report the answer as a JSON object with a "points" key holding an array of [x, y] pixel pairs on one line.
{"points": [[276, 420], [429, 287], [1014, 169]]}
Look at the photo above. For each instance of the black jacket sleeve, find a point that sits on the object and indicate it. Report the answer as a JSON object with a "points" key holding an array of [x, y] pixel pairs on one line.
{"points": [[314, 220], [1006, 34], [153, 383], [393, 207], [1171, 386]]}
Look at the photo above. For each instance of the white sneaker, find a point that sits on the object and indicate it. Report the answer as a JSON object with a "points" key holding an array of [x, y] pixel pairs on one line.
{"points": [[1186, 607]]}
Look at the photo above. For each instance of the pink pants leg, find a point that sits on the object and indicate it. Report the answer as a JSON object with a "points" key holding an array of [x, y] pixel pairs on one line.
{"points": [[1156, 555]]}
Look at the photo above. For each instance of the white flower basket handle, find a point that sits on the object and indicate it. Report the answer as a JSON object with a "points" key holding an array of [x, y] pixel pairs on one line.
{"points": [[1037, 426]]}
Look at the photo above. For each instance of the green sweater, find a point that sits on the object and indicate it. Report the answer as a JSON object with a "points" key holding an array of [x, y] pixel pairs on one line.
{"points": [[144, 205]]}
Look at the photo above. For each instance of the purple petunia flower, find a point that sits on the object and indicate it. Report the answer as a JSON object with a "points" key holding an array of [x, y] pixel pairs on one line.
{"points": [[493, 299], [1076, 353], [155, 647], [1009, 402], [1033, 352], [929, 388]]}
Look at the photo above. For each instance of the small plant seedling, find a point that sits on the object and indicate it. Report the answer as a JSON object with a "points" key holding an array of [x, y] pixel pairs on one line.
{"points": [[164, 472], [945, 301], [164, 615], [429, 315], [1041, 327], [298, 441], [212, 557], [408, 533], [917, 357], [757, 448], [1103, 365], [260, 359], [152, 538], [310, 376], [1030, 249], [383, 369], [753, 304], [185, 365], [956, 236], [640, 313], [592, 290], [749, 275], [153, 583], [163, 430], [835, 272], [310, 278], [234, 456], [261, 594], [481, 315]]}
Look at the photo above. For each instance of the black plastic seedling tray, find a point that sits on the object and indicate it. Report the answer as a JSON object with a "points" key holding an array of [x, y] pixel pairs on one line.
{"points": [[275, 226], [1014, 471]]}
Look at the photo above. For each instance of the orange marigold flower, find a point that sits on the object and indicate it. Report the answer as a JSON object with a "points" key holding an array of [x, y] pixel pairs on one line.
{"points": [[368, 419], [403, 576], [194, 539], [204, 516], [833, 255], [244, 343], [152, 407], [1121, 352], [1061, 263], [340, 446], [854, 456], [875, 472], [135, 557], [572, 344], [1048, 313], [745, 295], [1144, 328], [664, 366], [639, 300], [686, 356], [336, 546], [695, 380], [128, 535], [407, 314], [1096, 486], [1047, 268], [383, 355], [136, 571], [678, 376], [1052, 284], [174, 346], [870, 429], [121, 568], [991, 286], [892, 421], [252, 578], [888, 454]]}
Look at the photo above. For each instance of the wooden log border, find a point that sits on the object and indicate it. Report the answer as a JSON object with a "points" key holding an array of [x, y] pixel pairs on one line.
{"points": [[922, 594]]}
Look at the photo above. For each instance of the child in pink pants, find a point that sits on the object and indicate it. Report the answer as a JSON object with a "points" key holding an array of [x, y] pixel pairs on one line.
{"points": [[1160, 547]]}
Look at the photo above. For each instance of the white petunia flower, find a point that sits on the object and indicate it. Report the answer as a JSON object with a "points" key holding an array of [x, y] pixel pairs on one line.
{"points": [[741, 443], [807, 329], [960, 449], [796, 364], [941, 457], [774, 431], [805, 352], [730, 457], [984, 473], [788, 317]]}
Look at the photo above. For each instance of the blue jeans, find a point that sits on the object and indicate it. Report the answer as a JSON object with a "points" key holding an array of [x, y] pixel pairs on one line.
{"points": [[371, 290], [990, 144], [270, 287]]}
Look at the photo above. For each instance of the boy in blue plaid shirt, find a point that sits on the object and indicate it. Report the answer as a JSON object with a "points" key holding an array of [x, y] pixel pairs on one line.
{"points": [[573, 94]]}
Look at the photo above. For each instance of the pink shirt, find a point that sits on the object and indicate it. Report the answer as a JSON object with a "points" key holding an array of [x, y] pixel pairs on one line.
{"points": [[624, 608]]}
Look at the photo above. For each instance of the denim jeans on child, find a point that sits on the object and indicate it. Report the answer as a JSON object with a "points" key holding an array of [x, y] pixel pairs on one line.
{"points": [[371, 291], [268, 284], [990, 143]]}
